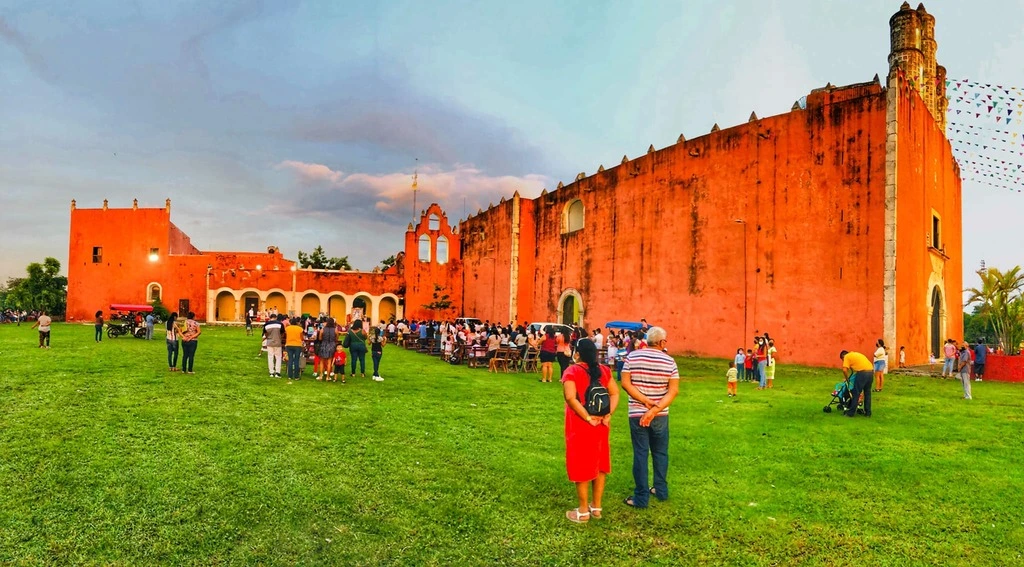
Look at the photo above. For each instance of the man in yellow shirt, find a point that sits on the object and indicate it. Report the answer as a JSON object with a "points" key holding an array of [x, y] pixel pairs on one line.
{"points": [[860, 371], [293, 345]]}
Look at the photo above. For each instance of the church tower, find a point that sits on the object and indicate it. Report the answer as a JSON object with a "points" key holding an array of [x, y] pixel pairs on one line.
{"points": [[912, 51]]}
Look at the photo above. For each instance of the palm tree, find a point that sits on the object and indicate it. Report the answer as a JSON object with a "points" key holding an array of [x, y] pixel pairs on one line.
{"points": [[1000, 302]]}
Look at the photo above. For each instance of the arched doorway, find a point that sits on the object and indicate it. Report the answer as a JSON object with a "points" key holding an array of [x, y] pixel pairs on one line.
{"points": [[388, 309], [570, 308], [362, 308], [276, 300], [251, 302], [336, 307], [936, 322], [225, 306], [310, 305]]}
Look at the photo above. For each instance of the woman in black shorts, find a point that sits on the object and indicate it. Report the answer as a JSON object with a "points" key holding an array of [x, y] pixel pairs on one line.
{"points": [[548, 348]]}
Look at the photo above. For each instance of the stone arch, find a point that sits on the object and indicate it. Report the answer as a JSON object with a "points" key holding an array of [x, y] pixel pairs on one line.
{"points": [[570, 313], [388, 308], [572, 216], [310, 304], [225, 306], [154, 292], [337, 306], [442, 250], [363, 301], [937, 307], [249, 298], [276, 299], [423, 244]]}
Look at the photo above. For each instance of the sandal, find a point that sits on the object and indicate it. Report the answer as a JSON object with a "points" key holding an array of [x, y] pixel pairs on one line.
{"points": [[574, 515], [595, 513]]}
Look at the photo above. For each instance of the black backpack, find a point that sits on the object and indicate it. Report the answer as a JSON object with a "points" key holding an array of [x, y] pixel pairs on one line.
{"points": [[596, 399]]}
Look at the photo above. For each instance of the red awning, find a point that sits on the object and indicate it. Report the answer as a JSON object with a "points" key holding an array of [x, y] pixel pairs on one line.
{"points": [[130, 307]]}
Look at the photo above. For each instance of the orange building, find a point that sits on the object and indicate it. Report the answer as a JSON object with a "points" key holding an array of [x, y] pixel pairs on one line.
{"points": [[830, 226], [138, 255]]}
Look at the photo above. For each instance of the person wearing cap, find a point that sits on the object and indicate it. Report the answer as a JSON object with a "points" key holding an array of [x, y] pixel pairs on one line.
{"points": [[859, 370]]}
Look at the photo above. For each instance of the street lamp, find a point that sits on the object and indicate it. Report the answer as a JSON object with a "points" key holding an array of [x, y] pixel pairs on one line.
{"points": [[744, 223]]}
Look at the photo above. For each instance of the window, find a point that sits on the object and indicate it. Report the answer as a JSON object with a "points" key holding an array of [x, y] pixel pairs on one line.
{"points": [[442, 250], [936, 232], [154, 254], [153, 293], [424, 248], [97, 254], [573, 216], [434, 222]]}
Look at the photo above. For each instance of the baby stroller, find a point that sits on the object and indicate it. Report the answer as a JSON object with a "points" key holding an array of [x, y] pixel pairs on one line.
{"points": [[842, 398]]}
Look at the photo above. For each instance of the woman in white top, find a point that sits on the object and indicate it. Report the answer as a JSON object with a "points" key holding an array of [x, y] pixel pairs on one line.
{"points": [[881, 362]]}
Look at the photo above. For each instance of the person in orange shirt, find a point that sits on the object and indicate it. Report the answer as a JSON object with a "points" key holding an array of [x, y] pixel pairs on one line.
{"points": [[858, 369], [293, 345]]}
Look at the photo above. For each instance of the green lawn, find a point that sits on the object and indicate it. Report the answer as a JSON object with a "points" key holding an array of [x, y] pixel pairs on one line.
{"points": [[107, 458]]}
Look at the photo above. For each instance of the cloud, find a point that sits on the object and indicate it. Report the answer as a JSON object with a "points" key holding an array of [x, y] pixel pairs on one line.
{"points": [[312, 173], [33, 58], [388, 197]]}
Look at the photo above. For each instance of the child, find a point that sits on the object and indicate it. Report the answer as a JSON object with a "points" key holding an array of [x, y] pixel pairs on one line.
{"points": [[748, 364], [339, 363], [263, 348], [730, 376], [740, 361], [903, 357]]}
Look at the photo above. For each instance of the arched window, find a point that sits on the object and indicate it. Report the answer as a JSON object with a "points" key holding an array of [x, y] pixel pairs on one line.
{"points": [[153, 292], [442, 250], [573, 220], [424, 248], [434, 222]]}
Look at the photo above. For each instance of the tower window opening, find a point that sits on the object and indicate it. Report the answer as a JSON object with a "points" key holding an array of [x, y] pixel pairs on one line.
{"points": [[434, 222], [97, 254], [424, 248], [936, 232]]}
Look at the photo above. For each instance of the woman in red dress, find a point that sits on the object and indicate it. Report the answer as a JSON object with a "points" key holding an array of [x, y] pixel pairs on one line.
{"points": [[587, 458]]}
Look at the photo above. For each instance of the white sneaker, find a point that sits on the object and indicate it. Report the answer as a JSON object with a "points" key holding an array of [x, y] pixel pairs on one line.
{"points": [[977, 379], [378, 379]]}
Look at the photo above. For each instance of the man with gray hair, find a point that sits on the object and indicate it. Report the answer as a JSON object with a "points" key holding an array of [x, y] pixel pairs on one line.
{"points": [[651, 378]]}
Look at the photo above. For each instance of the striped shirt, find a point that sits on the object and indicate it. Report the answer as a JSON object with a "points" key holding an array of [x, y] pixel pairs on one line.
{"points": [[650, 371]]}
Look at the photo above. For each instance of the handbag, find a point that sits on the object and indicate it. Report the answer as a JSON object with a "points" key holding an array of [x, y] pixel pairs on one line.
{"points": [[347, 341]]}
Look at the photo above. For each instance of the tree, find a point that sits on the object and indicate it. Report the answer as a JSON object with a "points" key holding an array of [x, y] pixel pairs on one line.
{"points": [[387, 262], [977, 327], [44, 289], [160, 310], [441, 300], [1000, 303], [318, 260]]}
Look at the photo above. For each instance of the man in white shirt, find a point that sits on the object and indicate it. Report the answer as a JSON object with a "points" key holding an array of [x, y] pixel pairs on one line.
{"points": [[598, 339], [43, 322]]}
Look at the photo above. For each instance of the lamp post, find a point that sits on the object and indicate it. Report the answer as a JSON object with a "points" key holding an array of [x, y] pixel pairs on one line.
{"points": [[744, 223]]}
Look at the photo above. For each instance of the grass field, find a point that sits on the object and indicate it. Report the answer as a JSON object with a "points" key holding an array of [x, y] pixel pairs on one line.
{"points": [[107, 458]]}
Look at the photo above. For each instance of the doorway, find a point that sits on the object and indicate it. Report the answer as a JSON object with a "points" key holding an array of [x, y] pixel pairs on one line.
{"points": [[936, 322], [252, 303], [570, 314], [183, 307]]}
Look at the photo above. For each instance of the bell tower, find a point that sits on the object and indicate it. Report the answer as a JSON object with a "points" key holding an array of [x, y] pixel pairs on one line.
{"points": [[912, 51]]}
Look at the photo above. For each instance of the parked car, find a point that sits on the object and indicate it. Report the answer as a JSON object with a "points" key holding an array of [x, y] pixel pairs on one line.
{"points": [[467, 321], [542, 327]]}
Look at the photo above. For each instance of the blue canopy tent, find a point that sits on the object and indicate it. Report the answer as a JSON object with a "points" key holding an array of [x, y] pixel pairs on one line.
{"points": [[627, 325]]}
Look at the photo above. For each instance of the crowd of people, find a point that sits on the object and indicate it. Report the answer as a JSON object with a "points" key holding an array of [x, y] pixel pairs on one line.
{"points": [[17, 316], [294, 341]]}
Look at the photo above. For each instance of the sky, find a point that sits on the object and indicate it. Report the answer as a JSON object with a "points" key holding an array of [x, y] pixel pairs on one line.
{"points": [[301, 123]]}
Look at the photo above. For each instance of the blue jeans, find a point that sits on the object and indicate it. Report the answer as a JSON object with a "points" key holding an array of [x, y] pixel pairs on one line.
{"points": [[360, 357], [294, 360], [99, 332], [947, 367], [172, 354], [740, 372], [376, 362], [762, 375], [654, 440], [188, 356]]}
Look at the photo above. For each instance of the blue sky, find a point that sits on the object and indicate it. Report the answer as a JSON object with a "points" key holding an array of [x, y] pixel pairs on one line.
{"points": [[299, 124]]}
